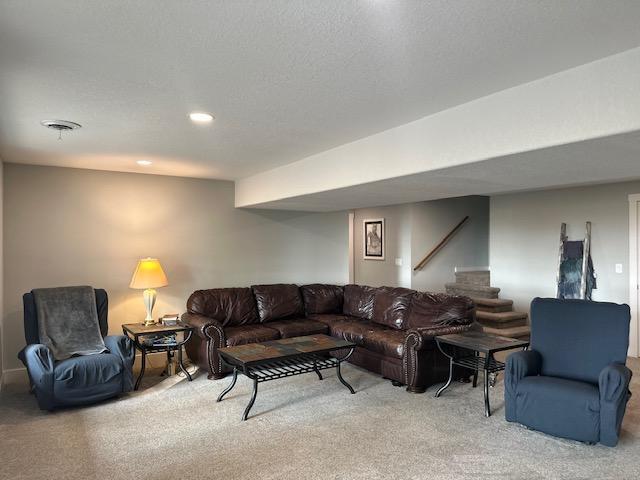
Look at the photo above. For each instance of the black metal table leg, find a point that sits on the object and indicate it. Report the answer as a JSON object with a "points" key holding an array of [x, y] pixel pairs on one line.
{"points": [[342, 380], [143, 364], [182, 367], [228, 389], [475, 373], [252, 401], [315, 368], [487, 407], [446, 385]]}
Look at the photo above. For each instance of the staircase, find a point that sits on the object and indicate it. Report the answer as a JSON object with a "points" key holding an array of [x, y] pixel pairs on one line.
{"points": [[495, 314]]}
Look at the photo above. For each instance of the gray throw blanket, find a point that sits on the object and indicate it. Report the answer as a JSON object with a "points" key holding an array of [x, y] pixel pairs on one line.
{"points": [[68, 321]]}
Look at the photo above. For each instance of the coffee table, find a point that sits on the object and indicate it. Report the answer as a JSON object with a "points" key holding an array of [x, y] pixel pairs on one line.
{"points": [[470, 346], [282, 358]]}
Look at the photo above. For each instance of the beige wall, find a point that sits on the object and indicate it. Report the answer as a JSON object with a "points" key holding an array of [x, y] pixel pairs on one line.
{"points": [[69, 227], [412, 230], [525, 233]]}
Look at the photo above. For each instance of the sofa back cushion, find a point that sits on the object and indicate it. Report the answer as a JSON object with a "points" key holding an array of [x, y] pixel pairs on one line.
{"points": [[358, 301], [439, 310], [320, 299], [391, 306], [230, 306], [278, 301]]}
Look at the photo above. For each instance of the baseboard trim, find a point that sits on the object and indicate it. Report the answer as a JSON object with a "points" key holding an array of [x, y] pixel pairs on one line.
{"points": [[14, 376]]}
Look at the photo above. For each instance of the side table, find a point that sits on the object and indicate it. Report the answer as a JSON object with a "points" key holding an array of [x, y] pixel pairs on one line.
{"points": [[136, 330], [475, 343]]}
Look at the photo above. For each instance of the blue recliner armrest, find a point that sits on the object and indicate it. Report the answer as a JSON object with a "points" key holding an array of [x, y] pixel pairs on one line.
{"points": [[614, 394], [519, 365], [40, 364], [122, 347]]}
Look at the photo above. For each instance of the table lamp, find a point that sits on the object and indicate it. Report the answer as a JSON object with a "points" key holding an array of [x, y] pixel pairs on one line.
{"points": [[149, 276]]}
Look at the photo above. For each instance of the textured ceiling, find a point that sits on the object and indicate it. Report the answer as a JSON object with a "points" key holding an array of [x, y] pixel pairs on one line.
{"points": [[284, 78]]}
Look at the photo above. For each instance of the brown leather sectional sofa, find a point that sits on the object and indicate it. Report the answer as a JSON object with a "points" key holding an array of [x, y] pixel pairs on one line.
{"points": [[393, 327]]}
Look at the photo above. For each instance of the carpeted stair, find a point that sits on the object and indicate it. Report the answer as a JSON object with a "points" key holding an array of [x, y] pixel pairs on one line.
{"points": [[495, 314]]}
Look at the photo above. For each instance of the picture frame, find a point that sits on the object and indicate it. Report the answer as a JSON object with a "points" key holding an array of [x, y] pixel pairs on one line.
{"points": [[374, 237]]}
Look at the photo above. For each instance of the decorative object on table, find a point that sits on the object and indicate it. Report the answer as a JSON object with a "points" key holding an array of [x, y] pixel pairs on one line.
{"points": [[464, 349], [573, 383], [286, 357], [170, 319], [79, 379], [373, 239], [159, 338], [576, 277], [149, 275]]}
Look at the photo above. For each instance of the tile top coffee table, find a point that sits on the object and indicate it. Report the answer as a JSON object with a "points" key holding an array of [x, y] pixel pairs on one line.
{"points": [[467, 354], [286, 357]]}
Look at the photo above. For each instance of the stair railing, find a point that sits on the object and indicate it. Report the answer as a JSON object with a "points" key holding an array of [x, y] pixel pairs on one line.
{"points": [[442, 243]]}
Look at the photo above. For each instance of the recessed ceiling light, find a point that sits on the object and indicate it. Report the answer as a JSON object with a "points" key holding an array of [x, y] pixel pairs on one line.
{"points": [[144, 163], [200, 117]]}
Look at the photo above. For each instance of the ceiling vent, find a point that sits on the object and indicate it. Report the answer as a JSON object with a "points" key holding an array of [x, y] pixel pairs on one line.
{"points": [[60, 126]]}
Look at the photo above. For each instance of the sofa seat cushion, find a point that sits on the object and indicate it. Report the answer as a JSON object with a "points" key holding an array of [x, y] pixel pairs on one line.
{"points": [[385, 341], [327, 318], [353, 329], [560, 407], [87, 370], [278, 301], [249, 334], [297, 327]]}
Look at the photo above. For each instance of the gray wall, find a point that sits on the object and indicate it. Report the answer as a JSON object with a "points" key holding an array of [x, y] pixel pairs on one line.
{"points": [[1, 270], [525, 231], [69, 227], [469, 247], [412, 230]]}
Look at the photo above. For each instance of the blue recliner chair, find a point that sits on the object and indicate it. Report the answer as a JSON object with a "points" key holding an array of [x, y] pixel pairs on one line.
{"points": [[79, 380], [573, 382]]}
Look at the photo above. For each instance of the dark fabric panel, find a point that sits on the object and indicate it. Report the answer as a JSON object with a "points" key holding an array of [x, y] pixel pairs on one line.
{"points": [[298, 327], [578, 338], [229, 306], [560, 407], [359, 301], [438, 310], [278, 301], [249, 334], [322, 299]]}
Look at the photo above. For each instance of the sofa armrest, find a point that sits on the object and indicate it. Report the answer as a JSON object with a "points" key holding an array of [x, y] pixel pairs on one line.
{"points": [[522, 364], [613, 383], [40, 364], [417, 338], [206, 328], [122, 347]]}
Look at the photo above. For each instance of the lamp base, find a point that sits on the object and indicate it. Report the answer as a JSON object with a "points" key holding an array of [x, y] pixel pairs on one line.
{"points": [[149, 296]]}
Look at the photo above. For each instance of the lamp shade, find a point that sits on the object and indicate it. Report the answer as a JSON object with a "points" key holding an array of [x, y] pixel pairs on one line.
{"points": [[148, 274]]}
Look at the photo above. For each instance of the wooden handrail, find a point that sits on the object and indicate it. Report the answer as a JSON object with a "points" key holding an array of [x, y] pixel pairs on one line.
{"points": [[422, 262]]}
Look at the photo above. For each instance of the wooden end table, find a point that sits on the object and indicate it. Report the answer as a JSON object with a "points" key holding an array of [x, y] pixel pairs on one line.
{"points": [[476, 343], [136, 330], [286, 357]]}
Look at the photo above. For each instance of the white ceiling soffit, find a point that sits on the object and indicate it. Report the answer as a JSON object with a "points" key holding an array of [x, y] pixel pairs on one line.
{"points": [[285, 79], [609, 159], [593, 101]]}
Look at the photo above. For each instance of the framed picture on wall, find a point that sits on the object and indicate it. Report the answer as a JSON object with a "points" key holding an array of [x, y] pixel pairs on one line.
{"points": [[374, 238]]}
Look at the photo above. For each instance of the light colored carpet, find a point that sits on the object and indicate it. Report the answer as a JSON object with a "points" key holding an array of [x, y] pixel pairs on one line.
{"points": [[301, 428]]}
